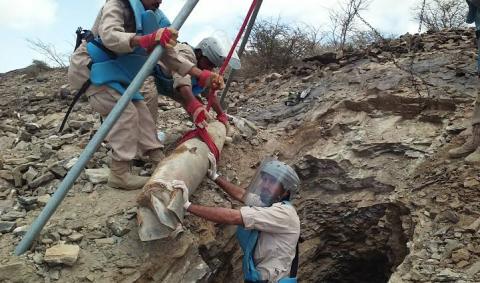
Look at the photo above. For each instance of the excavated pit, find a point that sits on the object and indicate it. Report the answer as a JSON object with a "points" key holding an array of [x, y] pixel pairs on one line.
{"points": [[353, 244], [351, 231], [340, 242]]}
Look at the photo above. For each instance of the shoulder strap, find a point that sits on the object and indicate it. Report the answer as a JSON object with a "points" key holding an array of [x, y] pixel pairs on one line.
{"points": [[294, 268], [138, 9], [162, 19]]}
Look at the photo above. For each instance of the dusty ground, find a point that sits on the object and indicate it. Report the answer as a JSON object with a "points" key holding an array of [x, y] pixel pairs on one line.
{"points": [[380, 200]]}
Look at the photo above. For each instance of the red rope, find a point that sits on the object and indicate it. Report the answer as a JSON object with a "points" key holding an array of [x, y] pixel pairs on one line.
{"points": [[202, 132], [211, 96], [237, 39]]}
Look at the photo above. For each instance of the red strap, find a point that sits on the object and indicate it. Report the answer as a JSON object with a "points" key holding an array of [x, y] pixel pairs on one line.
{"points": [[237, 39], [222, 117], [212, 96], [205, 137]]}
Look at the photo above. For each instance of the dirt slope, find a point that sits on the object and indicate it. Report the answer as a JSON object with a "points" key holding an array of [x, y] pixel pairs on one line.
{"points": [[380, 200]]}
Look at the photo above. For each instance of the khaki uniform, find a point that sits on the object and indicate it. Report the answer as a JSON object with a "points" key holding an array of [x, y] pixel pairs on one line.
{"points": [[135, 130], [186, 52], [179, 79], [279, 228]]}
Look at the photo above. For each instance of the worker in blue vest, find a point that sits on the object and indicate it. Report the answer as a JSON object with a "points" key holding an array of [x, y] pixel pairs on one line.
{"points": [[268, 224], [208, 54], [471, 148], [124, 33]]}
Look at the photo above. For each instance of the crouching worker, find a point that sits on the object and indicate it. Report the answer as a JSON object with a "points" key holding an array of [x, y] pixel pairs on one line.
{"points": [[268, 225], [210, 53], [107, 61]]}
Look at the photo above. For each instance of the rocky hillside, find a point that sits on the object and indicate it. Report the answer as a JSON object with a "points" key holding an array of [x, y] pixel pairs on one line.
{"points": [[380, 200]]}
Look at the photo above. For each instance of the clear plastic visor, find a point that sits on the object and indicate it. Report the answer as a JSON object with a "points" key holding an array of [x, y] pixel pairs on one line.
{"points": [[265, 188], [226, 44]]}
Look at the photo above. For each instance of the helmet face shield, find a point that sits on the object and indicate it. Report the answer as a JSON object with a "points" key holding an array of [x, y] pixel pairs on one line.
{"points": [[272, 179]]}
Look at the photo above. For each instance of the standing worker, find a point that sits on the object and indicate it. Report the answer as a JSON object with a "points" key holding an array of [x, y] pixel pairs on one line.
{"points": [[268, 226], [105, 63]]}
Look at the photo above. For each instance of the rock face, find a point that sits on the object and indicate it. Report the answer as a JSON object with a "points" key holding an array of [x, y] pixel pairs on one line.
{"points": [[379, 200]]}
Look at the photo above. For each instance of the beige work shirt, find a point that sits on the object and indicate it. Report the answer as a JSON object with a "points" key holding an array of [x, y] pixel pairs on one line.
{"points": [[115, 24], [187, 53], [279, 228]]}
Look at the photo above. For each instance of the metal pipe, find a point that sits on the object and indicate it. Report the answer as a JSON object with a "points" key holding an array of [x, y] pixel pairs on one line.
{"points": [[231, 73], [98, 138]]}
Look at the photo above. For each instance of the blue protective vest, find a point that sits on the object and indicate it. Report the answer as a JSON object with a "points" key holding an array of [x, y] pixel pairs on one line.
{"points": [[118, 71], [164, 83], [248, 241]]}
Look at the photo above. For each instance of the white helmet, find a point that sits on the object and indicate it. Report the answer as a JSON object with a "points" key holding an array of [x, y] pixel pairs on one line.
{"points": [[216, 48]]}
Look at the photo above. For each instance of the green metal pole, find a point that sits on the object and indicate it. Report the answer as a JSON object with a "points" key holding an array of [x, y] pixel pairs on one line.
{"points": [[231, 73], [98, 138]]}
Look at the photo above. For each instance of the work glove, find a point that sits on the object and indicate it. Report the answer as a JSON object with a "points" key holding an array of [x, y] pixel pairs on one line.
{"points": [[208, 79], [181, 185], [199, 114], [223, 118], [212, 171], [166, 37]]}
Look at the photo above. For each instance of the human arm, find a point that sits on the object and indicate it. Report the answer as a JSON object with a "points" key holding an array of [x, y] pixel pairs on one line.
{"points": [[112, 30], [234, 191], [217, 214]]}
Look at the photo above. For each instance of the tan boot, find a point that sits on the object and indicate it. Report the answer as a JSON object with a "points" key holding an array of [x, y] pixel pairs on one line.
{"points": [[469, 146], [156, 155], [121, 178]]}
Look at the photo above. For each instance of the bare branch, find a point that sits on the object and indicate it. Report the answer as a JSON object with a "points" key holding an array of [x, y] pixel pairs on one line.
{"points": [[48, 50], [441, 14], [343, 21], [274, 44]]}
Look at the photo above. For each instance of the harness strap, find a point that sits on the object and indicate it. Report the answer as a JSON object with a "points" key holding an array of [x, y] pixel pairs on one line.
{"points": [[196, 113], [205, 137], [294, 268], [81, 91], [212, 96]]}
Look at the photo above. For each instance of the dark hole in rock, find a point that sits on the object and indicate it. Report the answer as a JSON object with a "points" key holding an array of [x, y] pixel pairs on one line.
{"points": [[343, 243]]}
